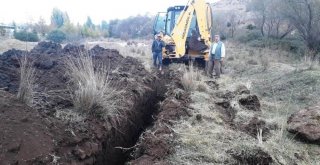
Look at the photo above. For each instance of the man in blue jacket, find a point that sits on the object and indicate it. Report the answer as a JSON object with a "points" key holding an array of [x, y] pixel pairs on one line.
{"points": [[157, 46], [217, 55]]}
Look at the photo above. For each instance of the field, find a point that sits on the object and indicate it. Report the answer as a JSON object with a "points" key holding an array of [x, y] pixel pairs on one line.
{"points": [[103, 102]]}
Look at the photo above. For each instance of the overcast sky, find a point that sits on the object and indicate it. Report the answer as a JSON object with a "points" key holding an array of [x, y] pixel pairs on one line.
{"points": [[22, 11]]}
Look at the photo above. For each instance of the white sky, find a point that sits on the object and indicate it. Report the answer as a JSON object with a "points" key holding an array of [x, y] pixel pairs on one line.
{"points": [[22, 11]]}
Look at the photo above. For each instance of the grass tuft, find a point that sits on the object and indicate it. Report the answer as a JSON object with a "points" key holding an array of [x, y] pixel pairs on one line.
{"points": [[92, 92], [27, 79], [190, 78]]}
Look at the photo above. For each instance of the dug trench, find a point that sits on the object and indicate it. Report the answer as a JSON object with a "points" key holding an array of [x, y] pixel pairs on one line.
{"points": [[56, 134]]}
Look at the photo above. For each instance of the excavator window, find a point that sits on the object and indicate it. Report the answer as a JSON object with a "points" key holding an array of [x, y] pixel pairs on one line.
{"points": [[193, 25], [172, 18], [166, 21], [160, 23]]}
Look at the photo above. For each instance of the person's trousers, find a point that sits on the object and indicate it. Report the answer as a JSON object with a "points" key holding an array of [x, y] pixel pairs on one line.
{"points": [[157, 57], [217, 66]]}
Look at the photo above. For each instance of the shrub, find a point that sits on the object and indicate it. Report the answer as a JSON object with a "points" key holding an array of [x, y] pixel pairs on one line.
{"points": [[257, 43], [26, 36], [89, 32], [27, 78], [251, 27], [92, 92], [56, 36], [249, 36]]}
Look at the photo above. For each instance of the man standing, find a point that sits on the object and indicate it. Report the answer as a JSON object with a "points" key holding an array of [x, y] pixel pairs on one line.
{"points": [[157, 46], [217, 55]]}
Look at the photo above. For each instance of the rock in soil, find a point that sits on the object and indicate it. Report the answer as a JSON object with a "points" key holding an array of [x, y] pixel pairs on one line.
{"points": [[242, 89], [306, 124]]}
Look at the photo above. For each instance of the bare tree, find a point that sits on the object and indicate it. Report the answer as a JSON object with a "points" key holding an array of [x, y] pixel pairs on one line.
{"points": [[220, 25], [233, 23], [276, 25], [269, 18], [305, 16], [260, 10], [41, 27]]}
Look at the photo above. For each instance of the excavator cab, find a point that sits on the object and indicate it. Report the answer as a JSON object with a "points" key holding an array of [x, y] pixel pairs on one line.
{"points": [[166, 21]]}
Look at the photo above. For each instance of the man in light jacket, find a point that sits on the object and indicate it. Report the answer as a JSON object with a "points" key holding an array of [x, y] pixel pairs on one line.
{"points": [[217, 55]]}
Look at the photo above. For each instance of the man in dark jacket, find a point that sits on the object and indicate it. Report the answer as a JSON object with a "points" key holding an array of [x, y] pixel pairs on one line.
{"points": [[157, 46]]}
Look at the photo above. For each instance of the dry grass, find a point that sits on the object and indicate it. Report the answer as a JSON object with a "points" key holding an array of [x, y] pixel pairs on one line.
{"points": [[27, 79], [92, 91], [282, 91], [191, 78], [7, 44]]}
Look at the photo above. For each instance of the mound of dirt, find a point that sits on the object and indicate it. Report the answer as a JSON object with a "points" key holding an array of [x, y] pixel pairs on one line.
{"points": [[47, 48], [305, 124], [60, 140]]}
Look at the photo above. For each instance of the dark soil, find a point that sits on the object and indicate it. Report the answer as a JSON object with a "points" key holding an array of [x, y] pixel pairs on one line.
{"points": [[25, 136], [251, 102], [33, 135]]}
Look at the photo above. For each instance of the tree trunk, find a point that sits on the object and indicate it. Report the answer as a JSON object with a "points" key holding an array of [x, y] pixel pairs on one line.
{"points": [[262, 24]]}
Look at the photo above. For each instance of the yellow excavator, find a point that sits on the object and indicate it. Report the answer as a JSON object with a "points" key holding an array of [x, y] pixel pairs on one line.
{"points": [[186, 30]]}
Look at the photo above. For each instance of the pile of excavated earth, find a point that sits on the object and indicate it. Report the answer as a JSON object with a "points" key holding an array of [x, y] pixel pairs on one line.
{"points": [[38, 135]]}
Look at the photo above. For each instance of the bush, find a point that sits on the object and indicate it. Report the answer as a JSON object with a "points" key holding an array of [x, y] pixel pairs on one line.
{"points": [[56, 36], [90, 32], [251, 27], [26, 36], [294, 45], [250, 36]]}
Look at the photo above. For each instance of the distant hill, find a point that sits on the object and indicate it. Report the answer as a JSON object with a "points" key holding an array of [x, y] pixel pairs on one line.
{"points": [[231, 17], [225, 8]]}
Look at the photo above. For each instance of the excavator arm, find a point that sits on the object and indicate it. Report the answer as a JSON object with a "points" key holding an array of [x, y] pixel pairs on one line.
{"points": [[202, 11]]}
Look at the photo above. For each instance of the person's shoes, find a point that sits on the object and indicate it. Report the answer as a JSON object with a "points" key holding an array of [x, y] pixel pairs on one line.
{"points": [[160, 69], [216, 77]]}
